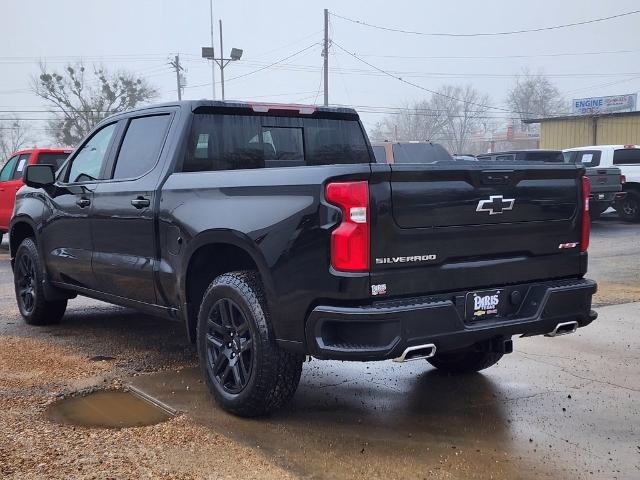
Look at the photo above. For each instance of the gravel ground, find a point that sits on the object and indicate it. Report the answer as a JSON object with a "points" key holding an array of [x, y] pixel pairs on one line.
{"points": [[33, 447]]}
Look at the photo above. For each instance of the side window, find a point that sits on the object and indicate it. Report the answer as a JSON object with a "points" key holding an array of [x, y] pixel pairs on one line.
{"points": [[7, 170], [627, 156], [141, 146], [23, 161], [88, 163], [588, 158]]}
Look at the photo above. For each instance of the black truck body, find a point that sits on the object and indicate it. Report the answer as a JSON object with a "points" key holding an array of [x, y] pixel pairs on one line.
{"points": [[281, 215]]}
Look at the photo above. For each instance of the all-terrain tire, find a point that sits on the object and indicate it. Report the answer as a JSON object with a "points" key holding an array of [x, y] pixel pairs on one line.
{"points": [[464, 361], [271, 377], [28, 273], [629, 207]]}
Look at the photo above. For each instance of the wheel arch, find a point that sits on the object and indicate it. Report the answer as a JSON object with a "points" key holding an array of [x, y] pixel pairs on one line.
{"points": [[631, 186], [21, 228], [211, 254]]}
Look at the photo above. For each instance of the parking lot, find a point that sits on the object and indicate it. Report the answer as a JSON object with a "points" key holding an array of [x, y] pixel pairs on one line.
{"points": [[566, 407]]}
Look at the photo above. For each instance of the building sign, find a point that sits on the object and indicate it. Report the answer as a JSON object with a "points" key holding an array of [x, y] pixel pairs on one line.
{"points": [[616, 103]]}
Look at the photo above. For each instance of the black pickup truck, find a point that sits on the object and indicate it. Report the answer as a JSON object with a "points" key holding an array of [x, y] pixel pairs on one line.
{"points": [[271, 233]]}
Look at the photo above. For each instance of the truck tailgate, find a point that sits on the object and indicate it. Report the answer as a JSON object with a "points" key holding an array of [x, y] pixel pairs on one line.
{"points": [[446, 227], [604, 179]]}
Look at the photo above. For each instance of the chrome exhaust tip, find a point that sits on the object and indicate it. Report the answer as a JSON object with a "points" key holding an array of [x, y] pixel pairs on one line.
{"points": [[564, 328], [417, 352]]}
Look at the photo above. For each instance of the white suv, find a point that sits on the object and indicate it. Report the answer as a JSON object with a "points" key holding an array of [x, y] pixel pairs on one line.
{"points": [[627, 159]]}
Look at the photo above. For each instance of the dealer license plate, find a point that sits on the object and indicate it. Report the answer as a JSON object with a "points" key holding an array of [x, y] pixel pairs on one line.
{"points": [[483, 304]]}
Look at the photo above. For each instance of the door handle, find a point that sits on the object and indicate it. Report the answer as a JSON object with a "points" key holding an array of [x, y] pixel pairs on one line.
{"points": [[83, 202], [141, 202]]}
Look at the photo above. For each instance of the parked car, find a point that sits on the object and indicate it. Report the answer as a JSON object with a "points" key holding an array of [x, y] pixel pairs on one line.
{"points": [[606, 183], [11, 176], [522, 155], [627, 159], [271, 233], [410, 152]]}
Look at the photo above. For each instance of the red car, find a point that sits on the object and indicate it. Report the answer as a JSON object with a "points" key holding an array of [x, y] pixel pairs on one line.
{"points": [[11, 176]]}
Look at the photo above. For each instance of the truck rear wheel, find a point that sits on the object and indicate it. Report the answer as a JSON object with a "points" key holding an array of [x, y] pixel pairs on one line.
{"points": [[629, 207], [27, 276], [464, 361], [245, 370]]}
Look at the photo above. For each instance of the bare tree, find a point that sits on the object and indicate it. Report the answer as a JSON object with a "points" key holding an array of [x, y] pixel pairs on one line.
{"points": [[14, 135], [79, 104], [465, 110], [534, 96], [450, 116], [420, 121]]}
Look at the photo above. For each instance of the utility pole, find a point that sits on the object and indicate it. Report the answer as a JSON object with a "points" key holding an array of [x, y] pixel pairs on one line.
{"points": [[221, 67], [178, 68], [325, 53], [213, 64]]}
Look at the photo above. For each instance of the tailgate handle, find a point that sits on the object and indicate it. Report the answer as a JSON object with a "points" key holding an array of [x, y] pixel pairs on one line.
{"points": [[495, 178]]}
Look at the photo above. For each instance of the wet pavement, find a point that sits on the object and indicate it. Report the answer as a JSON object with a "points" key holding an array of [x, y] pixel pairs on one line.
{"points": [[566, 407], [561, 408]]}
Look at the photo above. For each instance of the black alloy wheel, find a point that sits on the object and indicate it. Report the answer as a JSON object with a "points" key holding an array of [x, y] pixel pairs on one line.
{"points": [[29, 283], [26, 283], [230, 349]]}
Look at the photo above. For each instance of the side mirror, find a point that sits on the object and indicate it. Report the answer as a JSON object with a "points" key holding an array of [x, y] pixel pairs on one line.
{"points": [[39, 176]]}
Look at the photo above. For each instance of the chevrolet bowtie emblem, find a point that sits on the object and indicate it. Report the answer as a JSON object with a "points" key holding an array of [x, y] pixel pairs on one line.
{"points": [[495, 205]]}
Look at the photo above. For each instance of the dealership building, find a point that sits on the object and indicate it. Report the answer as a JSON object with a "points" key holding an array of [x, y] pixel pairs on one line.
{"points": [[596, 121]]}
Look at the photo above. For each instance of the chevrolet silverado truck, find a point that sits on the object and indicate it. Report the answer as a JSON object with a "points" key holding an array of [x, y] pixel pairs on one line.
{"points": [[272, 234]]}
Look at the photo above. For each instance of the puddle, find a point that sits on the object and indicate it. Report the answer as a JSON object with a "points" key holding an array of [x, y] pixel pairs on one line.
{"points": [[108, 409]]}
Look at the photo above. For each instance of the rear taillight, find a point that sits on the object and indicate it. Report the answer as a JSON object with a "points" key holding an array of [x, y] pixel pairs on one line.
{"points": [[350, 241], [623, 179], [586, 220]]}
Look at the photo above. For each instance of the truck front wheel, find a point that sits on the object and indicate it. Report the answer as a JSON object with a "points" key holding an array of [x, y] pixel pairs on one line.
{"points": [[464, 361], [27, 274], [245, 370]]}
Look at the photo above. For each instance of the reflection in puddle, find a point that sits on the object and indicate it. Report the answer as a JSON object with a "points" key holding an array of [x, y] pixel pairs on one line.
{"points": [[107, 409]]}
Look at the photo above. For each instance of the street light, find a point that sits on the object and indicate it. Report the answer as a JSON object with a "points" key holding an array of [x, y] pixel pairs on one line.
{"points": [[208, 53]]}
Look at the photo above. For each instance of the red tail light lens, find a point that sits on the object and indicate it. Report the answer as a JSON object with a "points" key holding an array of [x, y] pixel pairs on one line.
{"points": [[623, 179], [350, 241], [586, 220]]}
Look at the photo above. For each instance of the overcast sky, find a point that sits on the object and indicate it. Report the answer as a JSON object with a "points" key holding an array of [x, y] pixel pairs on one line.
{"points": [[140, 35]]}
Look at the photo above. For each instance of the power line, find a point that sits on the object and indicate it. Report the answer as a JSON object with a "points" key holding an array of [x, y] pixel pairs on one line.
{"points": [[433, 92], [497, 57], [487, 34]]}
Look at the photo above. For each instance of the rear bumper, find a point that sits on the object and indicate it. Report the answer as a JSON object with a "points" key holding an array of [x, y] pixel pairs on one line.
{"points": [[383, 330]]}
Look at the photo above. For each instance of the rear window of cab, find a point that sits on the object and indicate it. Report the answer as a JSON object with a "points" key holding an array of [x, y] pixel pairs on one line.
{"points": [[245, 141]]}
